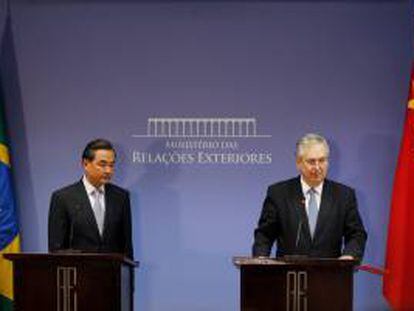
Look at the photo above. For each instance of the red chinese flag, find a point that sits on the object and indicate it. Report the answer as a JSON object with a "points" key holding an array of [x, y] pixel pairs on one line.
{"points": [[398, 284]]}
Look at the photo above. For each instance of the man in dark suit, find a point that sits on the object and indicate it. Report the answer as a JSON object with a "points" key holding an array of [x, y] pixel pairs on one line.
{"points": [[92, 215], [310, 215]]}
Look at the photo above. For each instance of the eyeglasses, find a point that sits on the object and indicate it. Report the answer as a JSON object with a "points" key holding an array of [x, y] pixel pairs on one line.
{"points": [[314, 162]]}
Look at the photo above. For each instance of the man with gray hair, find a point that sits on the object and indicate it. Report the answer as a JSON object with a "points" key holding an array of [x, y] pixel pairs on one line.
{"points": [[310, 215]]}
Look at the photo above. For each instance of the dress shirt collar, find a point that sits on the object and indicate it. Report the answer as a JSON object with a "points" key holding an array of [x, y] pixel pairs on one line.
{"points": [[90, 189], [306, 187]]}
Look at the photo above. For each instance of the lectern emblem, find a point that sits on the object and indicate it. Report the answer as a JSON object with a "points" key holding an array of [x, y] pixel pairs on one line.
{"points": [[66, 289], [296, 291]]}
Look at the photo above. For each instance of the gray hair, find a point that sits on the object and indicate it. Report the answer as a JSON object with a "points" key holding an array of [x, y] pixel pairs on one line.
{"points": [[308, 140]]}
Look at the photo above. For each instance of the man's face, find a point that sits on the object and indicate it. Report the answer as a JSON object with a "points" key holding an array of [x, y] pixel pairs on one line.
{"points": [[99, 171], [313, 164]]}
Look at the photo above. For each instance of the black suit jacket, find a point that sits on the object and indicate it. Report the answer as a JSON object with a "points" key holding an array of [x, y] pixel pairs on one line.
{"points": [[72, 223], [339, 228]]}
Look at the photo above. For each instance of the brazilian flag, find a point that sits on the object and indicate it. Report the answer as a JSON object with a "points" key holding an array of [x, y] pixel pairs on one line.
{"points": [[9, 232]]}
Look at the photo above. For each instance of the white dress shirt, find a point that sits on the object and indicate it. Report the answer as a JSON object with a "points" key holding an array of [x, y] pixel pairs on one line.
{"points": [[306, 194], [90, 190]]}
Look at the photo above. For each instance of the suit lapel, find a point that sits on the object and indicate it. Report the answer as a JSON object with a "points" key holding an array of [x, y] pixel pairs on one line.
{"points": [[87, 211], [302, 217], [109, 208], [298, 198], [325, 207]]}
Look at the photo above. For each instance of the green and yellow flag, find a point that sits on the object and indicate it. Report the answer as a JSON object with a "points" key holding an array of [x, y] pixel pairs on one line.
{"points": [[9, 232]]}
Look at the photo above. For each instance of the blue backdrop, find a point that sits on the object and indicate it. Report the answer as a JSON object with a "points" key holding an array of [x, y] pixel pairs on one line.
{"points": [[78, 70]]}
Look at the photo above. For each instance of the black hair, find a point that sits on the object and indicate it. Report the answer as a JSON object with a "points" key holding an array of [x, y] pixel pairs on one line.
{"points": [[94, 145]]}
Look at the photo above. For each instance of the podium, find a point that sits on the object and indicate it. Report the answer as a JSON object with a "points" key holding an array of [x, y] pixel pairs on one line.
{"points": [[301, 284], [72, 282]]}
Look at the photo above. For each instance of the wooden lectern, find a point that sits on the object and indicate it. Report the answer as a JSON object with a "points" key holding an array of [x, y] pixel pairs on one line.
{"points": [[72, 282], [301, 284]]}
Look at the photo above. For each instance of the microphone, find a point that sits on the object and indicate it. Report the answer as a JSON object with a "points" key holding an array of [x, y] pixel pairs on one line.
{"points": [[71, 232], [298, 257], [298, 234], [302, 203]]}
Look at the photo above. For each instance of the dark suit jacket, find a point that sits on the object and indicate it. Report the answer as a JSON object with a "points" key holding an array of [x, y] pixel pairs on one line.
{"points": [[339, 229], [72, 223]]}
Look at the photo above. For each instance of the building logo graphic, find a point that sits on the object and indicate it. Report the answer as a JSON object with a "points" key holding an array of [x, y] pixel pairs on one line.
{"points": [[202, 127], [202, 141]]}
